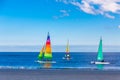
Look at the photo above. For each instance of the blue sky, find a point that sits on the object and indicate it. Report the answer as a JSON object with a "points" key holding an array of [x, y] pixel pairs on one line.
{"points": [[26, 22]]}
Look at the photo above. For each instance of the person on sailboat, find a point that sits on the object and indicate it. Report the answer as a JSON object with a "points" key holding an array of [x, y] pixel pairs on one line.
{"points": [[67, 56], [102, 61]]}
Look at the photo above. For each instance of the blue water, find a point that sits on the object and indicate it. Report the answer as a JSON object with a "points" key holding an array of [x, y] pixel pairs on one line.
{"points": [[80, 60]]}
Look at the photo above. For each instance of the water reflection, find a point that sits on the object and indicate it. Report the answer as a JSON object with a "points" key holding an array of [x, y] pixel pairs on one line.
{"points": [[47, 65], [100, 66]]}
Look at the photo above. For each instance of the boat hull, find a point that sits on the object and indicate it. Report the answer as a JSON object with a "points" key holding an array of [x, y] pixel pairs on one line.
{"points": [[45, 61], [97, 62], [66, 58]]}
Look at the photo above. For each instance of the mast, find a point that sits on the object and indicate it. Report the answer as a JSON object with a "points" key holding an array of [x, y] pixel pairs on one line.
{"points": [[100, 54], [48, 50]]}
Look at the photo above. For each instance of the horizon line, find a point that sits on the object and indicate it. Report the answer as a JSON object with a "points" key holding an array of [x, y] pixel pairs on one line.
{"points": [[59, 45]]}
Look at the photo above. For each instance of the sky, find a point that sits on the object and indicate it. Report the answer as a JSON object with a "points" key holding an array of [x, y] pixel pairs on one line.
{"points": [[82, 22]]}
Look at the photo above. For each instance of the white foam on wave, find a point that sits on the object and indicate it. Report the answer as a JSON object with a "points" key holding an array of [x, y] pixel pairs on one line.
{"points": [[35, 67], [17, 67]]}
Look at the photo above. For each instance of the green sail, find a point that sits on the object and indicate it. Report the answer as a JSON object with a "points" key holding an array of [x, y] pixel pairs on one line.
{"points": [[48, 56], [41, 55], [100, 54]]}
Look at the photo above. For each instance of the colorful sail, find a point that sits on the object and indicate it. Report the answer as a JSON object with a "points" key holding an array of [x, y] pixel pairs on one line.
{"points": [[41, 55], [67, 48], [100, 54], [48, 50], [67, 55]]}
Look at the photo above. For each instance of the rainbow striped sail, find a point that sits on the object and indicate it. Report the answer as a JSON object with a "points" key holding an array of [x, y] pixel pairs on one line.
{"points": [[48, 50]]}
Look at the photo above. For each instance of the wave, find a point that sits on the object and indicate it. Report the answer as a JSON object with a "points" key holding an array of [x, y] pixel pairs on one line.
{"points": [[53, 68], [16, 67]]}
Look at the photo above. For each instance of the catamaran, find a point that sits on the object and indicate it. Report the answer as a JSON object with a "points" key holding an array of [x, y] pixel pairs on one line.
{"points": [[67, 54], [100, 58], [45, 55]]}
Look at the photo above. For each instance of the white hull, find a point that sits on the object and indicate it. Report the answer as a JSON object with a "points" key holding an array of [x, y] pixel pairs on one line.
{"points": [[46, 61], [97, 62], [66, 58]]}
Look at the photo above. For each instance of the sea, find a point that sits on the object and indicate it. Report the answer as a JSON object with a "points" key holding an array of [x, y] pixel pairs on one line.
{"points": [[79, 60]]}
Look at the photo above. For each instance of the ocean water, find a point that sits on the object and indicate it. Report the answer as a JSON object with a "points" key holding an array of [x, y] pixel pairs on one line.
{"points": [[80, 60]]}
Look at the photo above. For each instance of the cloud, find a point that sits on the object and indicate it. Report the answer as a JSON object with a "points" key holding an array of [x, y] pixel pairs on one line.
{"points": [[64, 13], [95, 7], [109, 16]]}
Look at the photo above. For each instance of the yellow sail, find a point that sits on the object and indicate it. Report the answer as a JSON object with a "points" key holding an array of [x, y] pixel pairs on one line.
{"points": [[67, 55], [67, 47]]}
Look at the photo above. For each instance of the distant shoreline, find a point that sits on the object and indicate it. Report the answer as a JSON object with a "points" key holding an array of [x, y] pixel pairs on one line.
{"points": [[57, 48]]}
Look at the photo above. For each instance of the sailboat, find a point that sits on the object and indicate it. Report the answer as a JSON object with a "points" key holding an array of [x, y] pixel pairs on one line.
{"points": [[67, 54], [45, 55], [100, 58]]}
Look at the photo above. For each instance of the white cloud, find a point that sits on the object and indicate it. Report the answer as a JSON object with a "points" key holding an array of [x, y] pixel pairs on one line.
{"points": [[64, 13], [109, 16], [84, 6], [103, 7]]}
